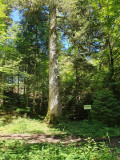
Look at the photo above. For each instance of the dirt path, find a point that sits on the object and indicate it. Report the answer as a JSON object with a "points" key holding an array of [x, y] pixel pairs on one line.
{"points": [[41, 138]]}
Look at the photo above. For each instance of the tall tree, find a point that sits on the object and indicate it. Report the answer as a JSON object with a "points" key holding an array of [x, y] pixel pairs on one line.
{"points": [[33, 42], [54, 104], [106, 14]]}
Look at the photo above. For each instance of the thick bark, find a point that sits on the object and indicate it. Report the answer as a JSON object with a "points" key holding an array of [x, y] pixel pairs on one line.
{"points": [[54, 106]]}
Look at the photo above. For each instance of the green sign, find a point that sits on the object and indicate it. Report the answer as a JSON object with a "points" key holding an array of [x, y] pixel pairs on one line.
{"points": [[87, 107]]}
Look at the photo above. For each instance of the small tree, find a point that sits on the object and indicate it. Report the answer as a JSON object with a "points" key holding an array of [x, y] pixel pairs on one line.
{"points": [[106, 108]]}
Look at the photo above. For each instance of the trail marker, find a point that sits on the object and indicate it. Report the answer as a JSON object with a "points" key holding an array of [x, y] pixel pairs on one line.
{"points": [[87, 107]]}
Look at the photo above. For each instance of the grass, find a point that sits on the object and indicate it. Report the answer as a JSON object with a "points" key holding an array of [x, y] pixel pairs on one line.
{"points": [[84, 128], [27, 125], [90, 150]]}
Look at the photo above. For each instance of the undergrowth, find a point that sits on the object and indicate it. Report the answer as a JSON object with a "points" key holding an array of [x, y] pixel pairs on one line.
{"points": [[87, 128], [13, 150]]}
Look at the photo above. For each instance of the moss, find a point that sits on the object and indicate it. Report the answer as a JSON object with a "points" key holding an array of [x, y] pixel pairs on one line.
{"points": [[52, 119]]}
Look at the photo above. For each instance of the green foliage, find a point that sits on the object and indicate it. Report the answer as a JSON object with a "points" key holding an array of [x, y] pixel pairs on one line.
{"points": [[2, 17], [76, 75], [32, 44], [13, 150], [106, 108], [94, 129]]}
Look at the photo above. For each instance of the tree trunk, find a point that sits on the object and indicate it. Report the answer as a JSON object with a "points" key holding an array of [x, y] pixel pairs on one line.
{"points": [[12, 83], [34, 80], [34, 94], [111, 58], [27, 89], [24, 82], [2, 88], [112, 80], [54, 106], [2, 84], [18, 80]]}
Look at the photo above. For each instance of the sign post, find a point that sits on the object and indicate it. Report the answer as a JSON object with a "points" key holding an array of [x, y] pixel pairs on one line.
{"points": [[88, 108]]}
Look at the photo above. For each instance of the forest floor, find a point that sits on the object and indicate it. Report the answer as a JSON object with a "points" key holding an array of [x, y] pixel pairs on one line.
{"points": [[36, 131], [23, 133]]}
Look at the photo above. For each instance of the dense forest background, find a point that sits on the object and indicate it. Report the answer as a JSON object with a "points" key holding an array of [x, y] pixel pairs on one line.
{"points": [[88, 50]]}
